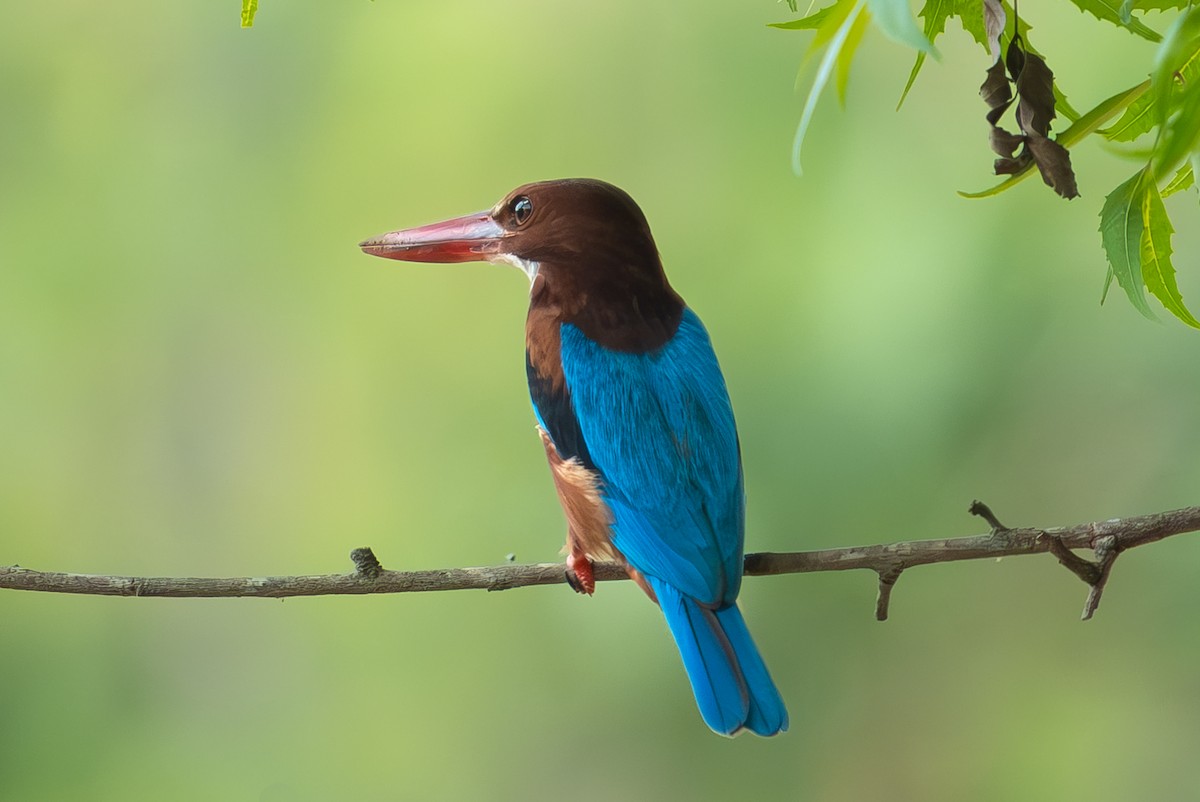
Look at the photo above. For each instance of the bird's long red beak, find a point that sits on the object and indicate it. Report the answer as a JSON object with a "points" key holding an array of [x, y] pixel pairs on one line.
{"points": [[472, 238]]}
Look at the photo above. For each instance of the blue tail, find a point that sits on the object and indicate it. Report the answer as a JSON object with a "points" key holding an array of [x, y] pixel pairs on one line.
{"points": [[733, 688]]}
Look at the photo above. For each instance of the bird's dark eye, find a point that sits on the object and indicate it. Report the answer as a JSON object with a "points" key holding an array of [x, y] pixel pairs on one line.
{"points": [[522, 208]]}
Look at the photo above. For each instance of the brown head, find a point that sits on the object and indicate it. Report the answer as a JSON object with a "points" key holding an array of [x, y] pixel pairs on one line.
{"points": [[585, 245]]}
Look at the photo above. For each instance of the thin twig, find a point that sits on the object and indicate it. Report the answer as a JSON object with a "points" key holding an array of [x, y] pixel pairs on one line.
{"points": [[1108, 538], [883, 599], [1086, 570], [1107, 549], [985, 512]]}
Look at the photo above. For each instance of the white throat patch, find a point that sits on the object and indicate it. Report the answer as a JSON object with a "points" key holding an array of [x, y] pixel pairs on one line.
{"points": [[526, 266]]}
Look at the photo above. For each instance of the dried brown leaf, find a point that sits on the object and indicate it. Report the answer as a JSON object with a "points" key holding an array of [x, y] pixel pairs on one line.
{"points": [[1035, 88], [1005, 143], [1034, 84], [996, 92], [993, 25], [1054, 163], [1012, 166]]}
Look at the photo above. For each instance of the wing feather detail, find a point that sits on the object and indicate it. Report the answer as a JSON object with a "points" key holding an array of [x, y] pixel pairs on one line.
{"points": [[659, 428]]}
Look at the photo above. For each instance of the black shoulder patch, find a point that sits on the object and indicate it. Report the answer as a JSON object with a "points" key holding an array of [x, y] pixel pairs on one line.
{"points": [[553, 404]]}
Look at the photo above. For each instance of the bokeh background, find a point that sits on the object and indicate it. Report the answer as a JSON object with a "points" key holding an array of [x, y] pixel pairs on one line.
{"points": [[201, 375]]}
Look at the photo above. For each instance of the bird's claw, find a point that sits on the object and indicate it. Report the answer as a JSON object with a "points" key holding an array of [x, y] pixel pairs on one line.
{"points": [[580, 575]]}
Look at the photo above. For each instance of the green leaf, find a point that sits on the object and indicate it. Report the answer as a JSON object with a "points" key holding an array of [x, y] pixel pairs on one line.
{"points": [[970, 16], [834, 30], [1181, 137], [1137, 120], [1085, 125], [1108, 278], [1143, 115], [830, 22], [249, 9], [1121, 228], [1160, 5], [1176, 88], [969, 13], [1180, 47], [1061, 105], [912, 77], [810, 23], [895, 19], [826, 23], [1157, 271], [1110, 11], [935, 14], [1183, 180], [846, 55]]}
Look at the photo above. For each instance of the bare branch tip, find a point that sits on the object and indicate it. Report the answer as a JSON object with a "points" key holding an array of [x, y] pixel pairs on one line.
{"points": [[887, 580], [1094, 574], [366, 564], [1107, 549], [985, 512]]}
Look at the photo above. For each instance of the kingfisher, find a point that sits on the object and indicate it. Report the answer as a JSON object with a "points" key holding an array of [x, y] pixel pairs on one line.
{"points": [[635, 419]]}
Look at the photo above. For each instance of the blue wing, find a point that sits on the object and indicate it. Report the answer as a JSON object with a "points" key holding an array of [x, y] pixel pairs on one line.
{"points": [[659, 428]]}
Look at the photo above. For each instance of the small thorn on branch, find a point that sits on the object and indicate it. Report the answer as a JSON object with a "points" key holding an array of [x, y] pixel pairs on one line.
{"points": [[887, 580], [985, 512], [1107, 550], [1095, 574], [366, 564]]}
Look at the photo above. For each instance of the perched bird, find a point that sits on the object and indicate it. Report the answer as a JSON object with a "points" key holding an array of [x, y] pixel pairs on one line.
{"points": [[635, 419]]}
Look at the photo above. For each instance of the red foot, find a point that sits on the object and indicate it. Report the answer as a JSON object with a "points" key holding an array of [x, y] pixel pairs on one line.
{"points": [[580, 575]]}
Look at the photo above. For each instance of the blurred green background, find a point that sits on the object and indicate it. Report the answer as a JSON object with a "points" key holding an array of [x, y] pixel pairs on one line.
{"points": [[203, 376]]}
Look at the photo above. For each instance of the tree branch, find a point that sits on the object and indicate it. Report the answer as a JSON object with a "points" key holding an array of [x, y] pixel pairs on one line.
{"points": [[1107, 539]]}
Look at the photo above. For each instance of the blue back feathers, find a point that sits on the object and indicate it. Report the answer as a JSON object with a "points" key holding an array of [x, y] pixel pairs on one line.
{"points": [[658, 427]]}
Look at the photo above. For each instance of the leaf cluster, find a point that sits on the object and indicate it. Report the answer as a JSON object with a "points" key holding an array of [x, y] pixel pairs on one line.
{"points": [[1134, 224], [1035, 109]]}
